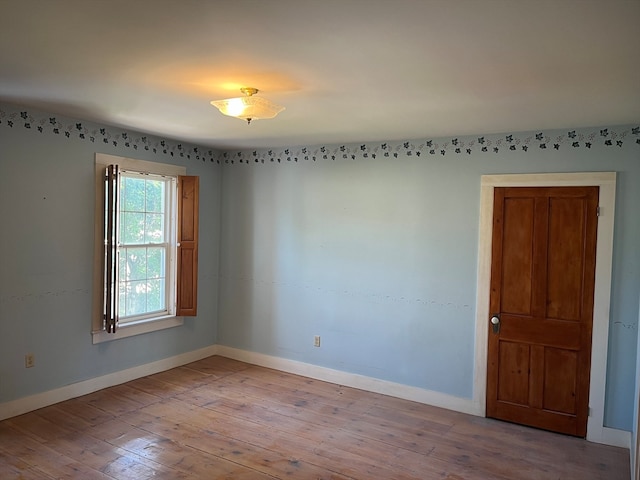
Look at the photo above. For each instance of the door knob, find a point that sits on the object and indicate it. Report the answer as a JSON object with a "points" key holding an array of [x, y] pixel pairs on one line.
{"points": [[495, 324]]}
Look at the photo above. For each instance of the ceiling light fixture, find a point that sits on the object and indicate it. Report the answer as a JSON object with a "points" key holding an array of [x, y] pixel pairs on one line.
{"points": [[248, 107]]}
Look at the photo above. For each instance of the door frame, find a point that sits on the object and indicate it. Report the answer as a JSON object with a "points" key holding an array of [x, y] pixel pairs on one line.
{"points": [[596, 431]]}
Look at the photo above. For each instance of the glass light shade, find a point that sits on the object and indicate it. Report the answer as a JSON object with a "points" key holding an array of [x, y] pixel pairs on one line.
{"points": [[248, 108]]}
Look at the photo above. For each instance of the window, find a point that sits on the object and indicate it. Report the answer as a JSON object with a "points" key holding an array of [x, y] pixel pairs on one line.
{"points": [[145, 220], [146, 247]]}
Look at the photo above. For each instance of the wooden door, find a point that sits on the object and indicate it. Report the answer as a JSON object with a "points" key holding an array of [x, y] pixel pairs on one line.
{"points": [[542, 285]]}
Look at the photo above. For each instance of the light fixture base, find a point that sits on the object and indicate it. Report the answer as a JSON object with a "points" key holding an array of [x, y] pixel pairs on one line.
{"points": [[248, 91]]}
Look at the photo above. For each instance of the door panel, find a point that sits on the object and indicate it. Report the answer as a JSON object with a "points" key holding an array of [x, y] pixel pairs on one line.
{"points": [[560, 371], [542, 276], [513, 385], [517, 257], [565, 261]]}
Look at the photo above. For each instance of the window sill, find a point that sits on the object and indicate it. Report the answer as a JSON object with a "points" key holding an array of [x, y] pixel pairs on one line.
{"points": [[137, 328]]}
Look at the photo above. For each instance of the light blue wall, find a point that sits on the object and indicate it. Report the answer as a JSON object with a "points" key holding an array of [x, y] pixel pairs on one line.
{"points": [[46, 251], [636, 402], [374, 247]]}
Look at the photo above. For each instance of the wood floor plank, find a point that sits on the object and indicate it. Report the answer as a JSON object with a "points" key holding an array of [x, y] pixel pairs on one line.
{"points": [[47, 459], [118, 400], [65, 418], [287, 430], [218, 366], [218, 418], [156, 386], [12, 467], [184, 377], [81, 408], [38, 427], [414, 439], [249, 447]]}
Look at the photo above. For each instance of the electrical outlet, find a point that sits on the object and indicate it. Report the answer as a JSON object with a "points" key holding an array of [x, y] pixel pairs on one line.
{"points": [[29, 360], [316, 341]]}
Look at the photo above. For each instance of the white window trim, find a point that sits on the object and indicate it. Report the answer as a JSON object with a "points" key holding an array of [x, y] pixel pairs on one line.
{"points": [[129, 329]]}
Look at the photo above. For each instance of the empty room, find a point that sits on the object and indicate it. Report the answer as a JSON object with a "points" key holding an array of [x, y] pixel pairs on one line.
{"points": [[338, 239]]}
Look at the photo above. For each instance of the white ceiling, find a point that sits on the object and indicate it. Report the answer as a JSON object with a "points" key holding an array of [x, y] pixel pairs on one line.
{"points": [[346, 70]]}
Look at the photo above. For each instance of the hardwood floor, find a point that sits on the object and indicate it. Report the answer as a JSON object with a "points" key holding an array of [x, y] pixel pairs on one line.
{"points": [[222, 419]]}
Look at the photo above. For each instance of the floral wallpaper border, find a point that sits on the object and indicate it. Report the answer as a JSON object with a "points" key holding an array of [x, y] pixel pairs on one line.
{"points": [[614, 137], [525, 142], [107, 135]]}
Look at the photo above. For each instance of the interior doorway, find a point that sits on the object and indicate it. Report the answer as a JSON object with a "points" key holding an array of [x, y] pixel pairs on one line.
{"points": [[606, 181]]}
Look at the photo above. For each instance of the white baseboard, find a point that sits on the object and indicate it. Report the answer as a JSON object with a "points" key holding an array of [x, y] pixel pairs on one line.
{"points": [[608, 436], [616, 438], [44, 399], [436, 399]]}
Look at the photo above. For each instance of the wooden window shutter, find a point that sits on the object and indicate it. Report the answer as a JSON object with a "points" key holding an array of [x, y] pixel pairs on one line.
{"points": [[187, 286]]}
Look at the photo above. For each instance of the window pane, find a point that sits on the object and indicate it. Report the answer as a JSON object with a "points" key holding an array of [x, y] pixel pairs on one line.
{"points": [[122, 300], [133, 264], [132, 227], [155, 295], [155, 262], [136, 298], [132, 194], [122, 266], [132, 299], [155, 196], [154, 228]]}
